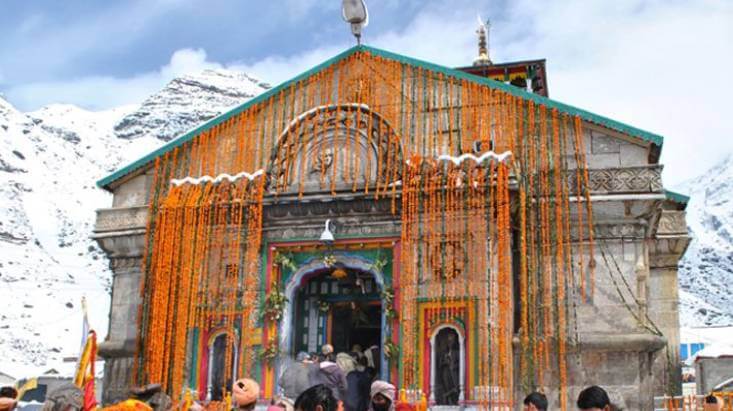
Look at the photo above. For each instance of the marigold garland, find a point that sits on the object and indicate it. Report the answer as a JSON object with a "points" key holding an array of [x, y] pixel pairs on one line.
{"points": [[202, 261]]}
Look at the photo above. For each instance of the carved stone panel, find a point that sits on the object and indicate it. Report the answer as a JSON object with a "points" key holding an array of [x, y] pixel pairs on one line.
{"points": [[672, 222], [335, 148], [123, 218], [646, 179]]}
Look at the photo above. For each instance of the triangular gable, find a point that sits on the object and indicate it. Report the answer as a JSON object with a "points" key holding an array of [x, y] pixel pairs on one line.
{"points": [[449, 72]]}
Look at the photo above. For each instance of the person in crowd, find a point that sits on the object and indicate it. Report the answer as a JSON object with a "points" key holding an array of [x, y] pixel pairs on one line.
{"points": [[280, 403], [712, 403], [594, 398], [535, 401], [246, 391], [356, 351], [8, 398], [327, 353], [382, 396], [8, 392], [296, 377], [358, 383], [345, 362], [318, 398], [329, 374]]}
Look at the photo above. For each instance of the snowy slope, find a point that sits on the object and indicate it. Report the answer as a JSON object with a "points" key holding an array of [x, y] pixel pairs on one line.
{"points": [[706, 270], [49, 162]]}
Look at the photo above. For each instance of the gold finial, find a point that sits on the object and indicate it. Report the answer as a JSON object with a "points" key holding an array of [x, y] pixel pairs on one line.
{"points": [[483, 43]]}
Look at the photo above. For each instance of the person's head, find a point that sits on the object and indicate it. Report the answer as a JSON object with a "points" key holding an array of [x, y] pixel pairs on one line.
{"points": [[318, 398], [711, 403], [245, 392], [7, 403], [8, 392], [594, 398], [535, 401], [280, 403], [8, 398], [302, 357], [382, 395], [345, 362], [327, 352]]}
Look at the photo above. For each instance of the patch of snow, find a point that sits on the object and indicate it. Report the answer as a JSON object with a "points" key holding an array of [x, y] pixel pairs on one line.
{"points": [[706, 269], [50, 160]]}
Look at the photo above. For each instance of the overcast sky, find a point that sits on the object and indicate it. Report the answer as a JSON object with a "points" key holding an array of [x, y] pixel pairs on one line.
{"points": [[663, 66]]}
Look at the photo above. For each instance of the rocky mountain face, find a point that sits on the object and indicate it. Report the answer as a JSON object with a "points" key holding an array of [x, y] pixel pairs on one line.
{"points": [[187, 102], [706, 271], [50, 160]]}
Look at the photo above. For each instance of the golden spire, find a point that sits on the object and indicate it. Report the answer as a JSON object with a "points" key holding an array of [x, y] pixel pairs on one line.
{"points": [[483, 43]]}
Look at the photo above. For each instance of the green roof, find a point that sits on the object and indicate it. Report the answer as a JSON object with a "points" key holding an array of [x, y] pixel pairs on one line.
{"points": [[454, 73], [676, 197]]}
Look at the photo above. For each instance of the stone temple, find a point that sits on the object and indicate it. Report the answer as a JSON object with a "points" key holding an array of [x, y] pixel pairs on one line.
{"points": [[479, 238]]}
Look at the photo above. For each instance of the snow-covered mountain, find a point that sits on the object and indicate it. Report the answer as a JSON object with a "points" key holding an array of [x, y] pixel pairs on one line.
{"points": [[706, 271], [49, 162], [187, 102]]}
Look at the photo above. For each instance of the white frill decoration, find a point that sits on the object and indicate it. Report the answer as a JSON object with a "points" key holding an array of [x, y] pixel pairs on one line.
{"points": [[501, 158], [218, 179]]}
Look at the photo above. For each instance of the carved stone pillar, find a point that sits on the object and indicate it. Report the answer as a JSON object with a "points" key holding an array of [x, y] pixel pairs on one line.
{"points": [[665, 250], [120, 233]]}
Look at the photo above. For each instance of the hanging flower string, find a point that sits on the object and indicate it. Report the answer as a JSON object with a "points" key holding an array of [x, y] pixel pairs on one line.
{"points": [[383, 128]]}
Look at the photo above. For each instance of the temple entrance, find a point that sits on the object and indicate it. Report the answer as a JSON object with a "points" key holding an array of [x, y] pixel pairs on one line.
{"points": [[356, 324], [340, 306]]}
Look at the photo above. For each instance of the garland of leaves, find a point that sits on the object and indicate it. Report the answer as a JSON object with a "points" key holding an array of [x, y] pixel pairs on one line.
{"points": [[274, 304]]}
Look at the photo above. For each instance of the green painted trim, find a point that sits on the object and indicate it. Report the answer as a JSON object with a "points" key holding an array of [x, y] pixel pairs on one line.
{"points": [[565, 108], [676, 197]]}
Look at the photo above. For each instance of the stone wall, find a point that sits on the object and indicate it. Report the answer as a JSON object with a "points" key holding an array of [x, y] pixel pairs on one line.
{"points": [[120, 232], [710, 372], [621, 331]]}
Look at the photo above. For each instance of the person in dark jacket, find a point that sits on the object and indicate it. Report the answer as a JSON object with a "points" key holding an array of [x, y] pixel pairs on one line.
{"points": [[296, 377], [359, 383], [329, 374]]}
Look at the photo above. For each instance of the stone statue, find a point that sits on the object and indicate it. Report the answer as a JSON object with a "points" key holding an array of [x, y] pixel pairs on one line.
{"points": [[448, 385], [65, 397]]}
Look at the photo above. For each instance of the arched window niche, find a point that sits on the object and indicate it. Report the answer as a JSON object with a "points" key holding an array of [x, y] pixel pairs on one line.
{"points": [[217, 379], [447, 365]]}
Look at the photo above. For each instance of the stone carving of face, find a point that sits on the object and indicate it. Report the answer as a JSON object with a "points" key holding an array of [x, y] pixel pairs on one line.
{"points": [[323, 161]]}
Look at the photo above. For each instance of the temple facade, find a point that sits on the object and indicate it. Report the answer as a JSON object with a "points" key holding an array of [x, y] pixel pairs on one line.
{"points": [[477, 238]]}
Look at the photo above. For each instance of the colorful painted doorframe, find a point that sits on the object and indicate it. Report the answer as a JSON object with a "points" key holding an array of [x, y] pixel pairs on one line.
{"points": [[288, 264]]}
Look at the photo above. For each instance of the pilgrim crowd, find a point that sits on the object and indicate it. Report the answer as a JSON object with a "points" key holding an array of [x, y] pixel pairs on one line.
{"points": [[324, 382]]}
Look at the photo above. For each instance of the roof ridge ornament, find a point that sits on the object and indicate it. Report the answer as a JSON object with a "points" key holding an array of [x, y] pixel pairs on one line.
{"points": [[483, 43], [355, 13]]}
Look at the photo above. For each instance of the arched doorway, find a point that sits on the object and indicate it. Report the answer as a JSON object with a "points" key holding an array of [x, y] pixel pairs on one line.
{"points": [[343, 309]]}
